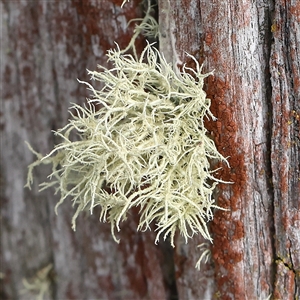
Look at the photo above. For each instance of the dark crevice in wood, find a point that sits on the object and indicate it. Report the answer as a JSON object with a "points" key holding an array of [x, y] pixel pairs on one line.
{"points": [[168, 269], [167, 257], [269, 42]]}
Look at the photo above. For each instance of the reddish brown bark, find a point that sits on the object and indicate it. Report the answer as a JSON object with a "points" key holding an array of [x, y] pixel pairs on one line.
{"points": [[252, 46]]}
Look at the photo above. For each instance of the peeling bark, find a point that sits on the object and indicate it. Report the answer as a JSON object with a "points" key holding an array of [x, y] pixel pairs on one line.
{"points": [[253, 46]]}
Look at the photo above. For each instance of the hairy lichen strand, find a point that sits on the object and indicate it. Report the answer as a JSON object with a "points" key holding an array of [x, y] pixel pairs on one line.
{"points": [[146, 146]]}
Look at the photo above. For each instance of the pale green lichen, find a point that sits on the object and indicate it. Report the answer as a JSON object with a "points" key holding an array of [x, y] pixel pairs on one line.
{"points": [[148, 27], [145, 147], [124, 1], [205, 255], [39, 284]]}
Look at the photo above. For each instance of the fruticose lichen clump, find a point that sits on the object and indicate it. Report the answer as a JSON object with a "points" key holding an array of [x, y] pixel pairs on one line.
{"points": [[145, 147]]}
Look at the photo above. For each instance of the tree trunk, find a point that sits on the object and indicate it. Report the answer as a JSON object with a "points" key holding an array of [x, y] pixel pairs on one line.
{"points": [[253, 48]]}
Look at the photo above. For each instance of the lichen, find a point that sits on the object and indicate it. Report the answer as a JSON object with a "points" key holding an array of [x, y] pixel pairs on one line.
{"points": [[124, 1], [145, 147], [146, 26], [205, 255], [39, 284]]}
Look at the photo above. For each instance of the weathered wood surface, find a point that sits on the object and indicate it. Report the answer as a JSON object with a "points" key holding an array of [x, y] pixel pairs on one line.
{"points": [[253, 46], [46, 46], [285, 146]]}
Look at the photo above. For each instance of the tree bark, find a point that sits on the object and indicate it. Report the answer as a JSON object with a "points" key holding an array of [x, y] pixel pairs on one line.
{"points": [[46, 46], [253, 46], [255, 95]]}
